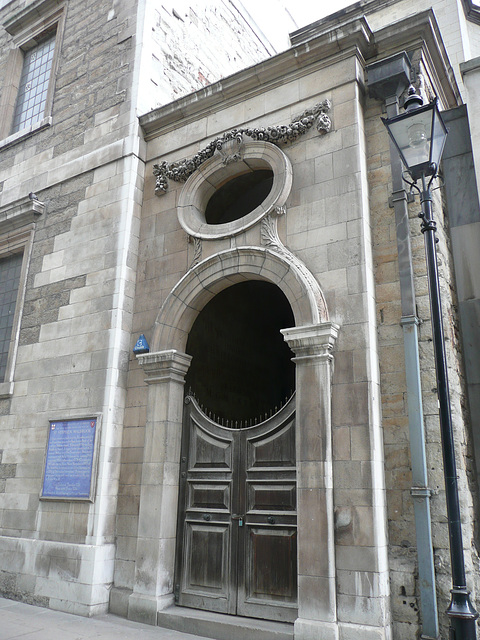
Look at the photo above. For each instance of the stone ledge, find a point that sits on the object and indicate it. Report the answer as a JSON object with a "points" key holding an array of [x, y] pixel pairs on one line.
{"points": [[221, 626], [26, 132]]}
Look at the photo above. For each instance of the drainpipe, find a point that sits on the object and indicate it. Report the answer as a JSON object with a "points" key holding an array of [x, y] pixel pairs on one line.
{"points": [[387, 80]]}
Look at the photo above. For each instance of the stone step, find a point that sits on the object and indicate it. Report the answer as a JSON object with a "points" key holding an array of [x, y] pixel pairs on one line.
{"points": [[222, 627]]}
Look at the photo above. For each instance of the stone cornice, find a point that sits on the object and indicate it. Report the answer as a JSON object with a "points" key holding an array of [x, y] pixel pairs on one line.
{"points": [[421, 32], [314, 342], [20, 213], [164, 366], [33, 12], [339, 19], [415, 31], [354, 37], [469, 66], [363, 8]]}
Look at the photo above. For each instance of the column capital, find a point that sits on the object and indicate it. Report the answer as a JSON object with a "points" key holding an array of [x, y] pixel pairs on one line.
{"points": [[162, 366], [312, 341]]}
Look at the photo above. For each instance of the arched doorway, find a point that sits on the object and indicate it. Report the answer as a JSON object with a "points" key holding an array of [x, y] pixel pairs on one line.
{"points": [[237, 528], [311, 337]]}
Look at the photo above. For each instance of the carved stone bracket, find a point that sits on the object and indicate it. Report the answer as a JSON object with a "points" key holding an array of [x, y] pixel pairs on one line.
{"points": [[271, 239], [197, 250], [230, 144], [269, 232]]}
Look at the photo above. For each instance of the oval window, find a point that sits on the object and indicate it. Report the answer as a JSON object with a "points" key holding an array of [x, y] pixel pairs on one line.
{"points": [[239, 196], [221, 200]]}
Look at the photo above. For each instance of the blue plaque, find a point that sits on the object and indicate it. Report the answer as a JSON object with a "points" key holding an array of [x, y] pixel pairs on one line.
{"points": [[69, 460]]}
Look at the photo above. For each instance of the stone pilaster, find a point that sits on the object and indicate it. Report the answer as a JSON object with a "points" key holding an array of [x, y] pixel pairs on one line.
{"points": [[155, 557], [313, 346]]}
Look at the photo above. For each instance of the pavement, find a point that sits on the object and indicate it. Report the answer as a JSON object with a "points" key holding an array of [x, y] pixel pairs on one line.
{"points": [[19, 621]]}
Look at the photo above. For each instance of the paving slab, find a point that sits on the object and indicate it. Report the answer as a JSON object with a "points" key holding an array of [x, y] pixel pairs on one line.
{"points": [[19, 621]]}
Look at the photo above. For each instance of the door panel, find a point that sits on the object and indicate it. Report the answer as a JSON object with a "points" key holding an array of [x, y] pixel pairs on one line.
{"points": [[269, 585], [208, 495], [208, 451], [236, 541], [270, 573], [207, 550], [273, 449], [204, 530], [264, 496]]}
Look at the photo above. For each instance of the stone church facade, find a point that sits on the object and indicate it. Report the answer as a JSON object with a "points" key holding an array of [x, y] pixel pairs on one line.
{"points": [[218, 314]]}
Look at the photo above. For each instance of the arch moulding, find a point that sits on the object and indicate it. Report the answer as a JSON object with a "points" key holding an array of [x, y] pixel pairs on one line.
{"points": [[210, 276]]}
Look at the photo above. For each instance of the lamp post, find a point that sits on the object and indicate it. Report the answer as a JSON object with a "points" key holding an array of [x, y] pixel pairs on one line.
{"points": [[419, 136]]}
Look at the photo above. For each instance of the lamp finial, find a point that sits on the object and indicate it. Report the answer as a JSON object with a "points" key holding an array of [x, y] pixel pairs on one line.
{"points": [[413, 101]]}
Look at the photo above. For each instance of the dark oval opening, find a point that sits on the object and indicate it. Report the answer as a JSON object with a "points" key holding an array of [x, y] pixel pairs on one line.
{"points": [[240, 195], [241, 366]]}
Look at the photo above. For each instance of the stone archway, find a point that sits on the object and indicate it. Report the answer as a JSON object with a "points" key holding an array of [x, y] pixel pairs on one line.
{"points": [[311, 339], [225, 268]]}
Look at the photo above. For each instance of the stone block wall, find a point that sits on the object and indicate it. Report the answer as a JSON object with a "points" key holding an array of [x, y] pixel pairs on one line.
{"points": [[326, 226], [75, 331], [398, 471], [190, 47]]}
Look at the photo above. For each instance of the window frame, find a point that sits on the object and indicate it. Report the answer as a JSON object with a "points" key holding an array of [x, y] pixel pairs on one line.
{"points": [[472, 11], [17, 229], [27, 27]]}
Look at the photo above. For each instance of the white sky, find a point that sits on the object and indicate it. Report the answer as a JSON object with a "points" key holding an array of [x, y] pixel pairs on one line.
{"points": [[277, 22]]}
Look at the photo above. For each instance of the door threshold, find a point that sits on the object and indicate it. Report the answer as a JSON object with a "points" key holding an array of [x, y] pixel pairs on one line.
{"points": [[221, 626]]}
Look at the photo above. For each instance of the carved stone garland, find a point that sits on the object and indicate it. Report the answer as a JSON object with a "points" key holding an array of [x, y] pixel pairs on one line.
{"points": [[181, 171]]}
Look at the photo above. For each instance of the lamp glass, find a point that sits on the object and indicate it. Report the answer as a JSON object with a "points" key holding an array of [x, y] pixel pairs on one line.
{"points": [[419, 135], [412, 135], [439, 136]]}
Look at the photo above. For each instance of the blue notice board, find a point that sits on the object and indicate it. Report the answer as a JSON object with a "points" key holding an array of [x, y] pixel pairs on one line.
{"points": [[70, 458]]}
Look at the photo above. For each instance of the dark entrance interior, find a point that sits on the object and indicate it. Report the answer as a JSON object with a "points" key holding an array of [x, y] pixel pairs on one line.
{"points": [[241, 367], [237, 522]]}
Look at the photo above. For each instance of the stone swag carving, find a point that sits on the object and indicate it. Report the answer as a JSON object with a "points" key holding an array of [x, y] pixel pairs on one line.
{"points": [[229, 145]]}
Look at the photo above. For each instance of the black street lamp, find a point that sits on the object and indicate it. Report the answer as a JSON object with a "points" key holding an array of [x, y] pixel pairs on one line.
{"points": [[419, 135]]}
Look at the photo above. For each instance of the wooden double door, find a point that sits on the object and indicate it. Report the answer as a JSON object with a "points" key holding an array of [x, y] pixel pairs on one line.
{"points": [[237, 527]]}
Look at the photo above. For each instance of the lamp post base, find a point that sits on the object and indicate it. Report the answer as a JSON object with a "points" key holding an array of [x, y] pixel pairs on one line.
{"points": [[462, 616]]}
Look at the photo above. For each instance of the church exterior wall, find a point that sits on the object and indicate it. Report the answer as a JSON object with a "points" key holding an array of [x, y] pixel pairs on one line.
{"points": [[348, 242], [107, 260], [325, 226], [60, 554]]}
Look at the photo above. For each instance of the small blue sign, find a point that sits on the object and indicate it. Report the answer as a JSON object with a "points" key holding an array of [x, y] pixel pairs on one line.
{"points": [[69, 460], [141, 346]]}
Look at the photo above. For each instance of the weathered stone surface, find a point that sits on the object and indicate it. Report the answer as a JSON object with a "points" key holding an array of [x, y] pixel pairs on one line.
{"points": [[110, 260]]}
